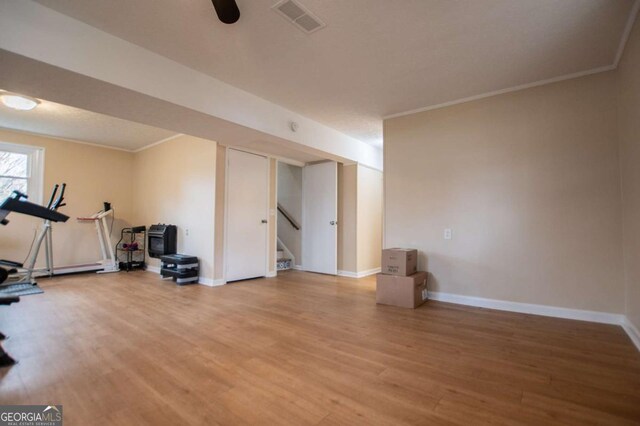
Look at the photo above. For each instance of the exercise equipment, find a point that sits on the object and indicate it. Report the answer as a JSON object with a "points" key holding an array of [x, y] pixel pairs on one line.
{"points": [[108, 262], [182, 268], [19, 273], [5, 359]]}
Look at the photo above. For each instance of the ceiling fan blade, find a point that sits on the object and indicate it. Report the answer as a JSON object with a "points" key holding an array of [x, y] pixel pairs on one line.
{"points": [[227, 10]]}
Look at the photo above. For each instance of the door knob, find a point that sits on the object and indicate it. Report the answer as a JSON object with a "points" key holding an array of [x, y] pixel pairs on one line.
{"points": [[264, 220], [333, 222]]}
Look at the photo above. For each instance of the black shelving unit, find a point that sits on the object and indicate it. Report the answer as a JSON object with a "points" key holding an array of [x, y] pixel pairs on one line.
{"points": [[131, 249]]}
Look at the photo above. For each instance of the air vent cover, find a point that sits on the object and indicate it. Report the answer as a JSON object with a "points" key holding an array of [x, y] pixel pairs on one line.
{"points": [[298, 15]]}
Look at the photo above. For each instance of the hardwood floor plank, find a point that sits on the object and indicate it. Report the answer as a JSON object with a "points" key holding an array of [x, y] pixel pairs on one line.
{"points": [[305, 349]]}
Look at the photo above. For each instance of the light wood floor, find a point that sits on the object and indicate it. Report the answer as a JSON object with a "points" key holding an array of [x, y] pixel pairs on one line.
{"points": [[304, 349]]}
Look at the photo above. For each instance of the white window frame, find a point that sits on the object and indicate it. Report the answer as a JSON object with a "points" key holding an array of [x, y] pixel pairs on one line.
{"points": [[35, 181]]}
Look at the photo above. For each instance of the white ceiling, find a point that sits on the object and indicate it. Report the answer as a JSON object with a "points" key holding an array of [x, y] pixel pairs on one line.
{"points": [[66, 122], [61, 121], [375, 57]]}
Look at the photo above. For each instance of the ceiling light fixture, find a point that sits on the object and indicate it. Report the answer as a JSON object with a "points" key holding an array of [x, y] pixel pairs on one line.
{"points": [[19, 102]]}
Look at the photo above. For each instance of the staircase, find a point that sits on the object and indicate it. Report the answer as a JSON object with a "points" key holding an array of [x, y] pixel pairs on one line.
{"points": [[283, 263], [284, 259]]}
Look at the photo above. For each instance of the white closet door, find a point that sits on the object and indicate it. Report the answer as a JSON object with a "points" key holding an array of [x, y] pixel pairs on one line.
{"points": [[247, 214], [320, 216]]}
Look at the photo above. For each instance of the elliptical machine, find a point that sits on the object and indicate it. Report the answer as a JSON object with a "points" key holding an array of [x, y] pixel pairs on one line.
{"points": [[19, 273]]}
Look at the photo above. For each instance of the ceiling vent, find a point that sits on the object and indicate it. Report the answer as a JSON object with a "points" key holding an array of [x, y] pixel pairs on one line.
{"points": [[295, 13]]}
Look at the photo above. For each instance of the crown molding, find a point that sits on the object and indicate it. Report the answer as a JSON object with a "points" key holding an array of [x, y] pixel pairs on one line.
{"points": [[627, 32], [619, 52], [161, 141], [43, 135], [503, 91]]}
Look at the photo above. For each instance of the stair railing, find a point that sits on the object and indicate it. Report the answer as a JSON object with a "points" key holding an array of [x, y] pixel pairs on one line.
{"points": [[288, 217]]}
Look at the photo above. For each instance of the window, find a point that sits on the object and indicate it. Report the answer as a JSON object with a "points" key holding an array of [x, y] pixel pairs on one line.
{"points": [[21, 169]]}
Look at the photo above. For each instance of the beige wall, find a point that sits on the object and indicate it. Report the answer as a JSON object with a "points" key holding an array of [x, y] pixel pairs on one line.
{"points": [[181, 181], [174, 183], [359, 218], [347, 218], [369, 217], [290, 198], [92, 175], [144, 188], [221, 170], [528, 181], [629, 134]]}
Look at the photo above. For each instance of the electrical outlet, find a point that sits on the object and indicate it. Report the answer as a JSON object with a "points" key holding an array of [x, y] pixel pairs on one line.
{"points": [[186, 232], [447, 234]]}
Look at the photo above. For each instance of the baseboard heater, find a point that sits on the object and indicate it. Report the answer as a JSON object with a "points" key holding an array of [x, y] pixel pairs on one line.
{"points": [[74, 269]]}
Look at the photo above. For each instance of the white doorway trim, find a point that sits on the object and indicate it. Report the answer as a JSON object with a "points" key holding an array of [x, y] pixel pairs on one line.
{"points": [[272, 215]]}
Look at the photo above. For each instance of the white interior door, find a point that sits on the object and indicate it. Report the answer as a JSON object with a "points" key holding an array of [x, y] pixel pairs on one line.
{"points": [[247, 214], [320, 216]]}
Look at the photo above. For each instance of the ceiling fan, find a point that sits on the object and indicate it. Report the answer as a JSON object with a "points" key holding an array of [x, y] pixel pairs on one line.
{"points": [[227, 10]]}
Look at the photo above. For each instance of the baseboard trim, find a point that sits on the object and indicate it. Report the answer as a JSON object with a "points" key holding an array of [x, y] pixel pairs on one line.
{"points": [[154, 269], [272, 274], [205, 281], [368, 272], [77, 268], [632, 331], [297, 267], [361, 274], [527, 308], [209, 282], [544, 310]]}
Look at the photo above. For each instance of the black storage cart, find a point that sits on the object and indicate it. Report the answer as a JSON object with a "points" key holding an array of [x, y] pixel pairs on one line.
{"points": [[130, 250]]}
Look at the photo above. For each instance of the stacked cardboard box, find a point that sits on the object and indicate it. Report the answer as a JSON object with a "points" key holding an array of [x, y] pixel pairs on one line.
{"points": [[400, 283]]}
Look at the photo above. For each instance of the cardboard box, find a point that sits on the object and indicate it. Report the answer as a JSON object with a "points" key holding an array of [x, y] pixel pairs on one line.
{"points": [[399, 261], [406, 292]]}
